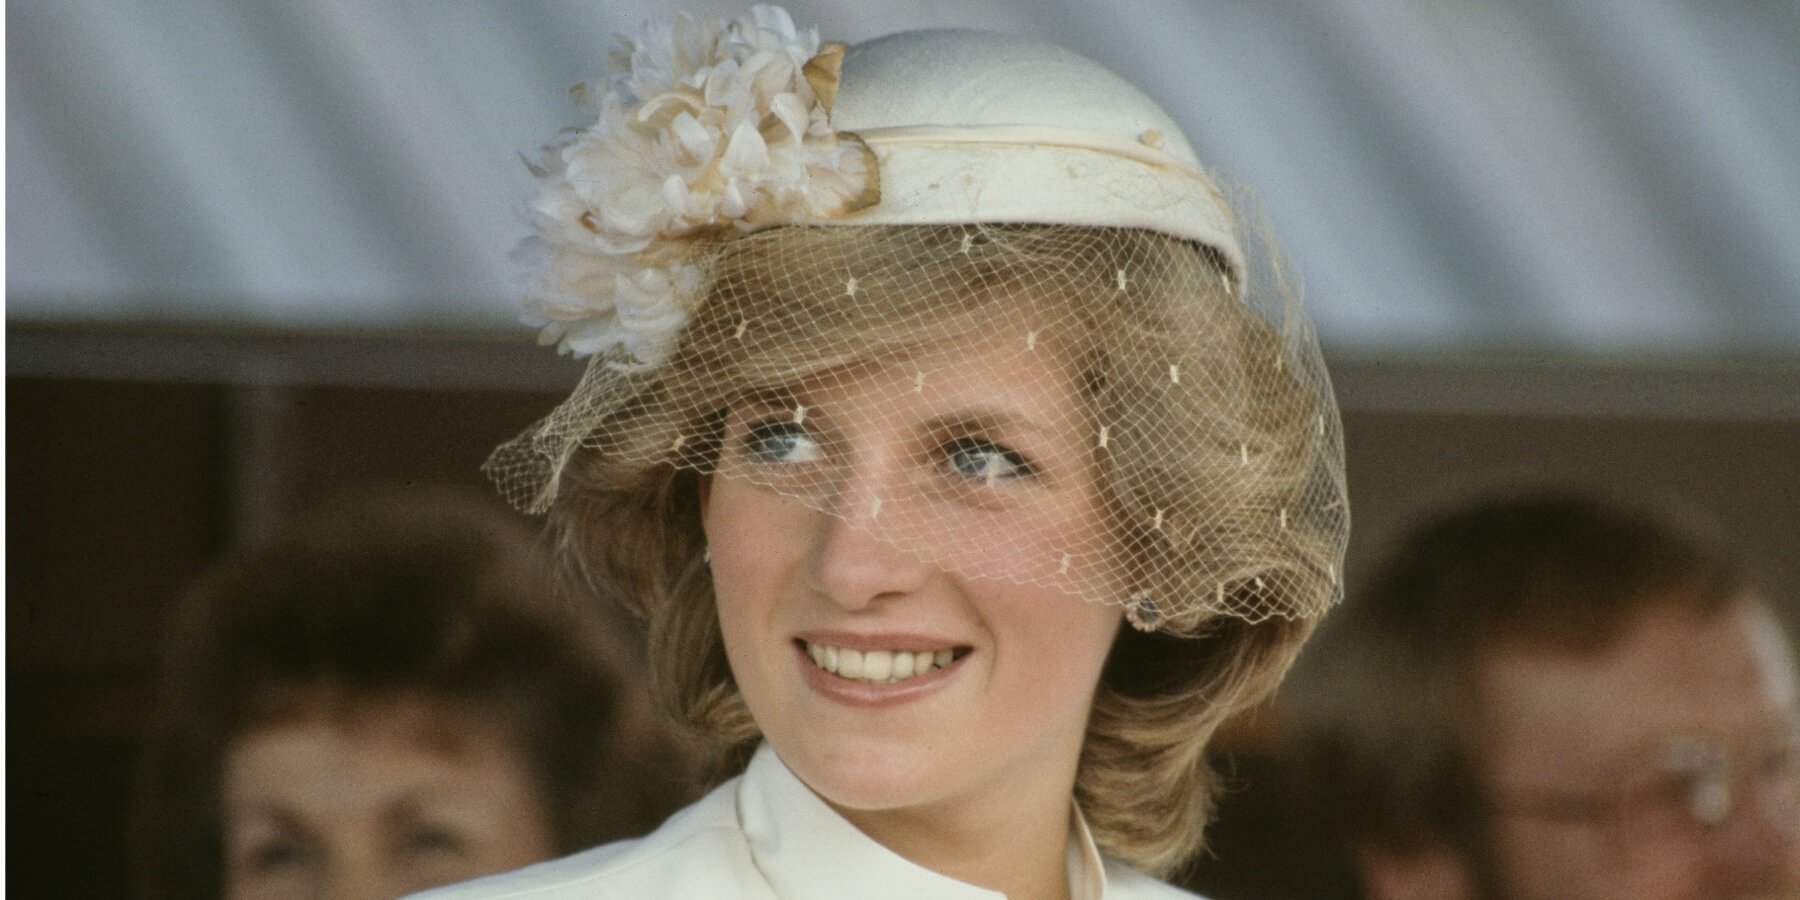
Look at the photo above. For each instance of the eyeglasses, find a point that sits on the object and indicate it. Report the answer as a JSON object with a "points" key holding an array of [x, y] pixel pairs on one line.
{"points": [[1679, 789]]}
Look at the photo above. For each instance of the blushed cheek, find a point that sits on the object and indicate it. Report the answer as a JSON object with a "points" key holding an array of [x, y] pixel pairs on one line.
{"points": [[748, 523], [1057, 547], [1059, 641], [736, 551], [1070, 635], [1097, 631], [747, 541], [735, 631]]}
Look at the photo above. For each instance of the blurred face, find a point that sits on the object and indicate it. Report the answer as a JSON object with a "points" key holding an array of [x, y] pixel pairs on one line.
{"points": [[887, 683], [1660, 770], [376, 804]]}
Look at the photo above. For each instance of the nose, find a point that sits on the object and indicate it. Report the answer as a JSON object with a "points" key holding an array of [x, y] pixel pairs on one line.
{"points": [[851, 561], [1758, 847], [360, 880]]}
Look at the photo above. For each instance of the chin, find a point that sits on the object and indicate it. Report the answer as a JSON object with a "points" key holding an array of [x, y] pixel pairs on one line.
{"points": [[868, 773]]}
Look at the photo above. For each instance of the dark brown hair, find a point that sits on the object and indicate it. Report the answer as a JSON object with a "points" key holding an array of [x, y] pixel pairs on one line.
{"points": [[429, 596]]}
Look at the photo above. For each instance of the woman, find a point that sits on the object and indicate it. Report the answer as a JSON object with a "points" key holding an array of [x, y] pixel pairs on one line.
{"points": [[386, 698], [921, 370]]}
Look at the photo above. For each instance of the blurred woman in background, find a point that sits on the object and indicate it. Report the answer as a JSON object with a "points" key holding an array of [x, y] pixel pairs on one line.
{"points": [[385, 698]]}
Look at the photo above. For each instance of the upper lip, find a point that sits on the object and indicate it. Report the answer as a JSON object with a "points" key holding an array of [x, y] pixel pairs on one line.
{"points": [[887, 640]]}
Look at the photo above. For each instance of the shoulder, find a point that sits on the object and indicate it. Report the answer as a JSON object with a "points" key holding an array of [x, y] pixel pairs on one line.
{"points": [[699, 852], [1126, 883]]}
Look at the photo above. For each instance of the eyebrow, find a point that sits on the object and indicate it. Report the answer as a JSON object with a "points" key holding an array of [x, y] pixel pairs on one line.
{"points": [[770, 398], [279, 816], [981, 419], [418, 802]]}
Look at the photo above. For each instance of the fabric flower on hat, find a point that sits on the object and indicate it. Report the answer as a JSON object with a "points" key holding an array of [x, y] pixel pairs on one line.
{"points": [[703, 127]]}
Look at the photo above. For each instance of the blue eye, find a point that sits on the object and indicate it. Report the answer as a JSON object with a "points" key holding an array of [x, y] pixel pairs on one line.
{"points": [[782, 443], [986, 461]]}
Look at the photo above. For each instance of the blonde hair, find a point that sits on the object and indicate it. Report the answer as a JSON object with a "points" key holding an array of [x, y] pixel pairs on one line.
{"points": [[631, 530]]}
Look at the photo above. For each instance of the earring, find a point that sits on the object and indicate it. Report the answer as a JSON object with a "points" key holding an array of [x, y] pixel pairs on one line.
{"points": [[1142, 613]]}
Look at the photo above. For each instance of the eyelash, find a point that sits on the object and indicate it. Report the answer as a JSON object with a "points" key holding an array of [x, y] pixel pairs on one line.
{"points": [[1019, 466], [759, 438], [432, 839], [277, 854]]}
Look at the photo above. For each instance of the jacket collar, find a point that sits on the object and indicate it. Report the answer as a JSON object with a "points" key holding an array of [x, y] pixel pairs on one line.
{"points": [[806, 850]]}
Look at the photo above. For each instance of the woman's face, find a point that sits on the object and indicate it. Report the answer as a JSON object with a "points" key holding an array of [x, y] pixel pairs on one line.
{"points": [[381, 800], [887, 682]]}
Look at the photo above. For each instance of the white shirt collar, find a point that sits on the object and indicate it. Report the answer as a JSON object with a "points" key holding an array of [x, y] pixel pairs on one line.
{"points": [[1087, 872], [806, 850]]}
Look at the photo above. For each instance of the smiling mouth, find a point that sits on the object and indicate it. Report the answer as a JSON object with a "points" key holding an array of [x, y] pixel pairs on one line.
{"points": [[879, 666]]}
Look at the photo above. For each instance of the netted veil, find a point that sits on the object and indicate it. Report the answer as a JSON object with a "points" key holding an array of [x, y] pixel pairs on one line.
{"points": [[754, 218]]}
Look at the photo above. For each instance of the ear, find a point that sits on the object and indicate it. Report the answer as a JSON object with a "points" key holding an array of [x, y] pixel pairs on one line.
{"points": [[1432, 872]]}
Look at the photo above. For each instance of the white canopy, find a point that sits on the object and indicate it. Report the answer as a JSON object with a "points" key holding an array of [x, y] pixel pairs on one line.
{"points": [[1608, 175]]}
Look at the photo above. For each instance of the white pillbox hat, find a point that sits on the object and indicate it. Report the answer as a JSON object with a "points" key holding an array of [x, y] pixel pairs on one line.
{"points": [[982, 127]]}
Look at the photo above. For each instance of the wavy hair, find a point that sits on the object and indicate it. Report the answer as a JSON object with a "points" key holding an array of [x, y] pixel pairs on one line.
{"points": [[626, 517]]}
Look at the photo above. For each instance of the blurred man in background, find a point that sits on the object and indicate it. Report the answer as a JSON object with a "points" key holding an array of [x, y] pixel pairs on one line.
{"points": [[1554, 697]]}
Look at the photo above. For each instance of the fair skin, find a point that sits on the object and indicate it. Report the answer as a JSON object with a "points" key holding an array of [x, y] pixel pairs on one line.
{"points": [[969, 768], [1587, 731], [375, 802]]}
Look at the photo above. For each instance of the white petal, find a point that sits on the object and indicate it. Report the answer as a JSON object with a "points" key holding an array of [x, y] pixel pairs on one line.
{"points": [[732, 204], [792, 113], [774, 18], [675, 195], [668, 102], [768, 73], [695, 140], [746, 153], [720, 83]]}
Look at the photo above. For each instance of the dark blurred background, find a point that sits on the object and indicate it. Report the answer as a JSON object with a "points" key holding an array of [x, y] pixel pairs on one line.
{"points": [[120, 489], [257, 255]]}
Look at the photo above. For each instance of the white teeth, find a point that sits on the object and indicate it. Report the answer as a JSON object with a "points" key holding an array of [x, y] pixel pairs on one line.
{"points": [[878, 666]]}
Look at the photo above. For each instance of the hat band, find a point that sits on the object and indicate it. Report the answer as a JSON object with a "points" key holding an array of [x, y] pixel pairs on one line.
{"points": [[947, 175], [1143, 150]]}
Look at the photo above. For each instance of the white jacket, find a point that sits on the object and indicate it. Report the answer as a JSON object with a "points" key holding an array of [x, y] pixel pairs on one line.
{"points": [[766, 835]]}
